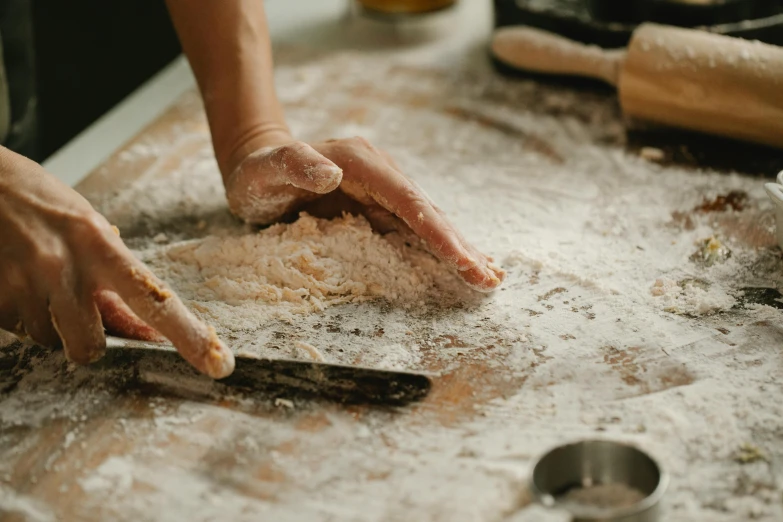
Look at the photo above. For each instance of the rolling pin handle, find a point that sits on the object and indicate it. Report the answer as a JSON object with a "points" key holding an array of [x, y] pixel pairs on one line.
{"points": [[543, 52]]}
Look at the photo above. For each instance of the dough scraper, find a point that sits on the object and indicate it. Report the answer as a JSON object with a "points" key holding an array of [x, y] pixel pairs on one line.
{"points": [[158, 363]]}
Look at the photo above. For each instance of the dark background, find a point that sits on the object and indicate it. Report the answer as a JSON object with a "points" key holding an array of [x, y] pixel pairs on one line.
{"points": [[87, 56]]}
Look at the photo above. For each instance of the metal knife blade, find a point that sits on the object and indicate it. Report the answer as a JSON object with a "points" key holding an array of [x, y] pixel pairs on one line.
{"points": [[161, 364]]}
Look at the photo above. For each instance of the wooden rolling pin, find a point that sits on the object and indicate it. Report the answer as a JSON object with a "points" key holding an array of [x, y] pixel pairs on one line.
{"points": [[679, 77]]}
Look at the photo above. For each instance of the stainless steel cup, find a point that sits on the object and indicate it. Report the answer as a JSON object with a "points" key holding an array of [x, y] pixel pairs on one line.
{"points": [[599, 462]]}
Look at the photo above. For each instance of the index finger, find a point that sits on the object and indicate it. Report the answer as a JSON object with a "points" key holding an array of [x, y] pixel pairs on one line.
{"points": [[401, 196], [159, 307]]}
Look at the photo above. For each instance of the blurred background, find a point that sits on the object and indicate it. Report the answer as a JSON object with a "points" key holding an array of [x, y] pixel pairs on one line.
{"points": [[73, 61]]}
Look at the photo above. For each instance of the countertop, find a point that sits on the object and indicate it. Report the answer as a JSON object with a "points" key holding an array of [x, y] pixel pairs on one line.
{"points": [[641, 305]]}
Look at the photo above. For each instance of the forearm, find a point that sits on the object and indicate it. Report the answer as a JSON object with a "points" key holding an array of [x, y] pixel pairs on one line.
{"points": [[228, 46]]}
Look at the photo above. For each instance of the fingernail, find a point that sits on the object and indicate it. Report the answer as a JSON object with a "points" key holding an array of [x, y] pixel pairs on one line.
{"points": [[467, 262], [97, 346], [96, 355], [496, 273], [218, 360], [325, 177]]}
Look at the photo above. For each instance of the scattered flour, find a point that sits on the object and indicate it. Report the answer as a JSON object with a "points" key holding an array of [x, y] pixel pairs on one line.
{"points": [[311, 350], [616, 495], [398, 357], [691, 297], [113, 476], [605, 325], [20, 507]]}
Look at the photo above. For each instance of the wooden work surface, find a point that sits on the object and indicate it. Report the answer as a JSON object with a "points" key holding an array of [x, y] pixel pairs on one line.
{"points": [[579, 344]]}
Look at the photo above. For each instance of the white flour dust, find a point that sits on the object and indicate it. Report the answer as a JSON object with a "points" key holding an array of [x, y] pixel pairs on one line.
{"points": [[691, 297], [613, 321]]}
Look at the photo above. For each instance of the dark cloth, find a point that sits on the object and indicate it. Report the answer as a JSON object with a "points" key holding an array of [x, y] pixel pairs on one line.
{"points": [[16, 31]]}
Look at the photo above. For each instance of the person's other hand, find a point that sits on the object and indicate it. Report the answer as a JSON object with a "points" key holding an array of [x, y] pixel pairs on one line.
{"points": [[65, 275], [275, 180]]}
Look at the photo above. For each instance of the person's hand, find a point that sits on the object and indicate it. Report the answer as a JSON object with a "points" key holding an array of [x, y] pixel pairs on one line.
{"points": [[65, 275], [279, 178]]}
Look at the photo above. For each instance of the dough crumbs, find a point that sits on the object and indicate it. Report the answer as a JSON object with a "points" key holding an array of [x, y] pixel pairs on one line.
{"points": [[156, 292], [295, 268], [691, 296], [311, 350], [652, 154], [602, 496]]}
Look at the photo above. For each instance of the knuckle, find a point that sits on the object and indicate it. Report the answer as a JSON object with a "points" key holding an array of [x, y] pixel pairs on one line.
{"points": [[294, 147], [94, 224], [412, 195], [360, 142], [85, 225], [94, 230], [282, 157], [51, 264], [48, 260], [289, 150]]}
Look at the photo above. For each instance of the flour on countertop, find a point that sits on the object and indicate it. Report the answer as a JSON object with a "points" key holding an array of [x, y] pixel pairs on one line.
{"points": [[19, 507], [112, 476], [692, 297], [606, 326]]}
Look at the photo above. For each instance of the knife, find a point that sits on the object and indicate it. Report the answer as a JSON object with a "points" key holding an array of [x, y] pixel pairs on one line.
{"points": [[160, 364]]}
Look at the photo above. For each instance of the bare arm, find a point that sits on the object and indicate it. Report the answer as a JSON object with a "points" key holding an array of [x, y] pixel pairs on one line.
{"points": [[266, 172], [228, 45]]}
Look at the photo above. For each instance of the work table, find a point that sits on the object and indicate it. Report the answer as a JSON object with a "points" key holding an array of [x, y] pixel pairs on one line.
{"points": [[613, 322]]}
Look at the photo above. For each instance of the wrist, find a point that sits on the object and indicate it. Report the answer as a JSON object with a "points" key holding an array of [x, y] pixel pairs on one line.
{"points": [[231, 152]]}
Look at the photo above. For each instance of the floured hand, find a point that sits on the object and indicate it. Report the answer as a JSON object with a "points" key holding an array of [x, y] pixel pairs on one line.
{"points": [[278, 179], [265, 171], [65, 275]]}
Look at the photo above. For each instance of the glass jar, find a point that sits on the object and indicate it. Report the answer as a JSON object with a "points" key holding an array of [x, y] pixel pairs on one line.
{"points": [[399, 7]]}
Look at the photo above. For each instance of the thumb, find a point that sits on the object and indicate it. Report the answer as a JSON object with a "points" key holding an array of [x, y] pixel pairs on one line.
{"points": [[296, 164]]}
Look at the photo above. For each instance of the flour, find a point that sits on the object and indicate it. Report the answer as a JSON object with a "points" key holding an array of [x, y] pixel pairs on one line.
{"points": [[399, 357], [311, 350], [692, 297], [113, 476], [605, 326], [616, 495], [13, 505]]}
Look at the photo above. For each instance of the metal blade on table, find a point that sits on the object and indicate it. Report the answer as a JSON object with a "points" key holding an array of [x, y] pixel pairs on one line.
{"points": [[160, 364]]}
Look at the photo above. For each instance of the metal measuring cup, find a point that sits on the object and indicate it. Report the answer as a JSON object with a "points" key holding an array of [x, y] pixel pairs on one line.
{"points": [[593, 464]]}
